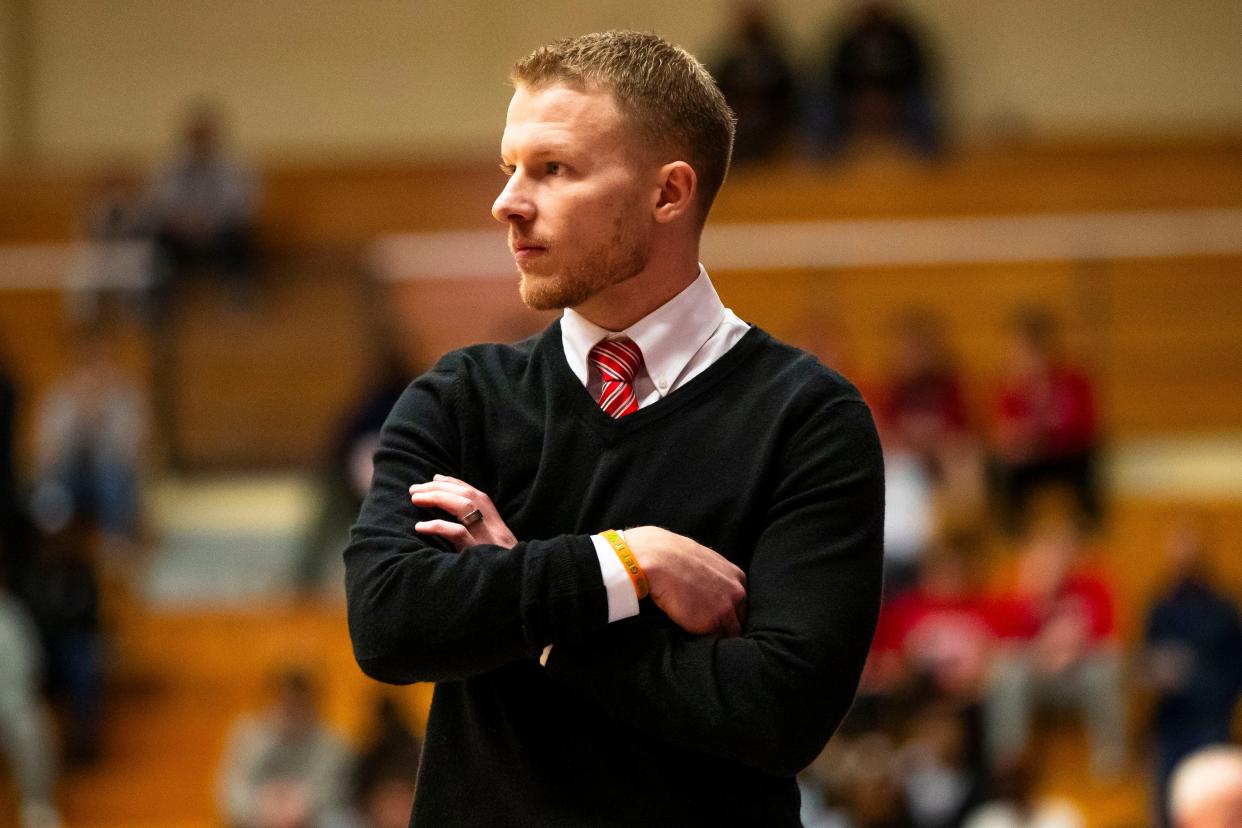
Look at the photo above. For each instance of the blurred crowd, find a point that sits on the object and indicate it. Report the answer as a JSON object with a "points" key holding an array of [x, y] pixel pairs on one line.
{"points": [[999, 611], [875, 79], [73, 525], [76, 527], [75, 517]]}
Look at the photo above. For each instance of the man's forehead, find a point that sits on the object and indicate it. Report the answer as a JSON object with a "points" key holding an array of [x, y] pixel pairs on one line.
{"points": [[562, 103], [569, 118]]}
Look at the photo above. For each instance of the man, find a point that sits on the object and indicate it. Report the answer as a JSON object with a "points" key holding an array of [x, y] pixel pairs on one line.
{"points": [[1193, 658], [203, 204], [749, 477], [285, 766], [1206, 791]]}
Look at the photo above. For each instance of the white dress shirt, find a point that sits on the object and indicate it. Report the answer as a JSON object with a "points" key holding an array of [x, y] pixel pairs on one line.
{"points": [[679, 340]]}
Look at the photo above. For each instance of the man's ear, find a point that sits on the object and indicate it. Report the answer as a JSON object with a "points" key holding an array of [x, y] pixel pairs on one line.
{"points": [[678, 187]]}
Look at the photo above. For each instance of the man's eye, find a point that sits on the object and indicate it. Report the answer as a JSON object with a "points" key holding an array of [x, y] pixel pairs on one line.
{"points": [[554, 167], [507, 169]]}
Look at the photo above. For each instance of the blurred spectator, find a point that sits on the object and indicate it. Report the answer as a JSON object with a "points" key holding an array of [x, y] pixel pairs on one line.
{"points": [[864, 777], [874, 787], [1193, 658], [90, 435], [1064, 655], [1207, 789], [878, 81], [203, 205], [922, 406], [386, 770], [756, 80], [284, 768], [65, 599], [932, 461], [347, 477], [943, 780], [25, 736], [1017, 804], [941, 635], [1044, 424]]}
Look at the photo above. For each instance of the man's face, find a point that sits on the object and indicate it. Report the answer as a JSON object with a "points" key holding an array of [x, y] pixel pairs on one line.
{"points": [[578, 200]]}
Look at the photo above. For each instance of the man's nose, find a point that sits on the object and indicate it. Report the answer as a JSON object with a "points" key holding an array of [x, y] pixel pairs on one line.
{"points": [[513, 203]]}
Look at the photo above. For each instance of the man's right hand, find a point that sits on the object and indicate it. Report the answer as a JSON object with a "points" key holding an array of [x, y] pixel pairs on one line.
{"points": [[698, 589]]}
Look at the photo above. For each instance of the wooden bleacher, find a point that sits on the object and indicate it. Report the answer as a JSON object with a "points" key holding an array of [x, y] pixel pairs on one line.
{"points": [[264, 390], [263, 387], [181, 681], [1157, 329]]}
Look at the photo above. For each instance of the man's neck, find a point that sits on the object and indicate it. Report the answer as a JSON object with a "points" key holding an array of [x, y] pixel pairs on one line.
{"points": [[619, 306]]}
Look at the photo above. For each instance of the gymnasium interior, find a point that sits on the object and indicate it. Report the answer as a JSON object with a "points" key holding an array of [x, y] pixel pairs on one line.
{"points": [[1074, 168]]}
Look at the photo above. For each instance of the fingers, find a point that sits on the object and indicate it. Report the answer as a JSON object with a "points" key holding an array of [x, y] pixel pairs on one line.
{"points": [[450, 502], [453, 503], [469, 498], [459, 487], [455, 533], [459, 499], [700, 590]]}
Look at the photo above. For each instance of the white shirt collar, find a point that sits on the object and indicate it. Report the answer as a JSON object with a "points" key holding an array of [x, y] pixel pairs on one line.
{"points": [[669, 336]]}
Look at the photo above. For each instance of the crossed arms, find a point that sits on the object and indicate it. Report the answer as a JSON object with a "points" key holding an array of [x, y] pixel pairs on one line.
{"points": [[428, 601], [699, 590]]}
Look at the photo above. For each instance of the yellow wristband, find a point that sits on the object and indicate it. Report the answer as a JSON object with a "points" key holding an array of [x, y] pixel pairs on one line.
{"points": [[628, 560]]}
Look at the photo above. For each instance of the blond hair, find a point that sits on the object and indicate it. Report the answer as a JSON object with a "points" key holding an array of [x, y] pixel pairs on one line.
{"points": [[670, 98]]}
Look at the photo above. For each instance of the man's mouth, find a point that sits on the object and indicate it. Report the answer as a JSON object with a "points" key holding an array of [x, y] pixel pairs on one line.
{"points": [[526, 253]]}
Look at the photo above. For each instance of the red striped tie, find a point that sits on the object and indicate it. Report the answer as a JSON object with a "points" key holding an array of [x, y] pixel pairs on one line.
{"points": [[617, 361]]}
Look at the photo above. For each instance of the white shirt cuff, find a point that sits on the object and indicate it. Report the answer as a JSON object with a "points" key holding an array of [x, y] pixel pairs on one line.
{"points": [[622, 599]]}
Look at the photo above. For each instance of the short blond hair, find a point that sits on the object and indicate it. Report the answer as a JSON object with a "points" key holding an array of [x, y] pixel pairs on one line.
{"points": [[670, 97]]}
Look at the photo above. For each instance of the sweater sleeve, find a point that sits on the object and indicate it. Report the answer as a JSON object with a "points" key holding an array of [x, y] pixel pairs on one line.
{"points": [[418, 610], [772, 697]]}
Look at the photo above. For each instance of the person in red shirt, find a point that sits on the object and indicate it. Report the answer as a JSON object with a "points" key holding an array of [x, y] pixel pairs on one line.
{"points": [[1061, 652], [923, 413], [1045, 427], [922, 407], [941, 634]]}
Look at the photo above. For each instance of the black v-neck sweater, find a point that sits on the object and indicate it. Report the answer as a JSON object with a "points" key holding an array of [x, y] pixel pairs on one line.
{"points": [[766, 457]]}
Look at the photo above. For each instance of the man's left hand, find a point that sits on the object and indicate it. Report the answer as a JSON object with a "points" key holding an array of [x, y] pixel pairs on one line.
{"points": [[460, 499]]}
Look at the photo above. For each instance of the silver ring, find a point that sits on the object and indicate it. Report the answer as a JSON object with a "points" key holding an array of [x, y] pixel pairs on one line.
{"points": [[471, 518]]}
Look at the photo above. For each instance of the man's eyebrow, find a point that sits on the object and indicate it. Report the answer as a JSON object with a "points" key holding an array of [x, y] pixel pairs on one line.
{"points": [[550, 149], [554, 148]]}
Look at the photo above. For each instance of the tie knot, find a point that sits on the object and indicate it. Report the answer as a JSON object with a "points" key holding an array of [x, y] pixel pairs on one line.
{"points": [[617, 359]]}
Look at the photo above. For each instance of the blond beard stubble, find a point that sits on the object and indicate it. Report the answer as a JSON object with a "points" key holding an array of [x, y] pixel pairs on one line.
{"points": [[609, 264]]}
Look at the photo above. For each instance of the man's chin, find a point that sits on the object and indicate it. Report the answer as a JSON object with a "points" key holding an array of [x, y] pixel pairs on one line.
{"points": [[540, 293], [557, 288]]}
